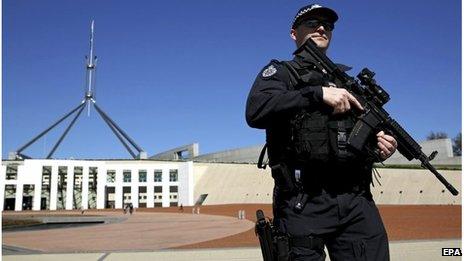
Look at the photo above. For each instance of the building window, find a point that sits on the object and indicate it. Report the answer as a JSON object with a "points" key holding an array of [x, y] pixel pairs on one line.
{"points": [[126, 175], [173, 176], [11, 172], [10, 195], [173, 196], [46, 173], [93, 172], [158, 197], [173, 189], [158, 189], [78, 178], [62, 177], [158, 175], [110, 176], [142, 176]]}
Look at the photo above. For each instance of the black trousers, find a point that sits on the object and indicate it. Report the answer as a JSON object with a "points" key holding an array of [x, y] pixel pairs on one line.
{"points": [[348, 222]]}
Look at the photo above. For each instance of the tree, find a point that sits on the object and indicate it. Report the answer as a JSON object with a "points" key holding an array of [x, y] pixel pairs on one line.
{"points": [[437, 135], [457, 145]]}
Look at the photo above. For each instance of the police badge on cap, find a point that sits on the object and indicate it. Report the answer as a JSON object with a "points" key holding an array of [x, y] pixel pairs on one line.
{"points": [[314, 9]]}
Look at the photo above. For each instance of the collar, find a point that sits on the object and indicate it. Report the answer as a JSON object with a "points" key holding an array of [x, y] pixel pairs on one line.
{"points": [[304, 59]]}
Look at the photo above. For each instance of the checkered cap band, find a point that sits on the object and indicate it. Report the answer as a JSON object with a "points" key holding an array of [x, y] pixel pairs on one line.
{"points": [[331, 14]]}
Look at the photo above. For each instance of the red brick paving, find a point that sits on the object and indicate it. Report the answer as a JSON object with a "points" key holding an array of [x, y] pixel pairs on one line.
{"points": [[405, 222]]}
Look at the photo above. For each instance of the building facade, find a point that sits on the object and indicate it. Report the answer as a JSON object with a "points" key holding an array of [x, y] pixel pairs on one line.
{"points": [[37, 184]]}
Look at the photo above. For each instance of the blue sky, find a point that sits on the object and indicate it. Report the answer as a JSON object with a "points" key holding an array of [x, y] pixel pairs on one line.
{"points": [[176, 72]]}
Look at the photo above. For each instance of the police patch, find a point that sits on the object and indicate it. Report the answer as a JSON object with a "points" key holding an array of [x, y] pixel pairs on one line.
{"points": [[271, 70]]}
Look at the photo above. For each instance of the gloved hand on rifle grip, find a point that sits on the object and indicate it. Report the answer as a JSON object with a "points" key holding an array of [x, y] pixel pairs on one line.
{"points": [[339, 99]]}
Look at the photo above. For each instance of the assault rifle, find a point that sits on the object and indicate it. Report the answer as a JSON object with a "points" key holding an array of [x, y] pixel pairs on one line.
{"points": [[374, 118]]}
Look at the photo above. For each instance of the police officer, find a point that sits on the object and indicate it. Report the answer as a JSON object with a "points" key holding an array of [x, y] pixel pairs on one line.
{"points": [[322, 189]]}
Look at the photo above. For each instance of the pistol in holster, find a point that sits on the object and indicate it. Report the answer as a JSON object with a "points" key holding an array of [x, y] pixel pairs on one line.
{"points": [[289, 180], [274, 245]]}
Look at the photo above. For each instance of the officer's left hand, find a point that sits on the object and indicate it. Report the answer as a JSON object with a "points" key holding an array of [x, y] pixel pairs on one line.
{"points": [[386, 144]]}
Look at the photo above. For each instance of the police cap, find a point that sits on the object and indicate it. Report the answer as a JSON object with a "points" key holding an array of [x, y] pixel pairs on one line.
{"points": [[314, 9]]}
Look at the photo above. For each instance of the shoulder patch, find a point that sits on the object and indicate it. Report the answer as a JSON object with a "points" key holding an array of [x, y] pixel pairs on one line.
{"points": [[269, 71]]}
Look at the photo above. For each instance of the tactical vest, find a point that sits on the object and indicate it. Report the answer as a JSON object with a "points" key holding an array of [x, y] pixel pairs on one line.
{"points": [[316, 134]]}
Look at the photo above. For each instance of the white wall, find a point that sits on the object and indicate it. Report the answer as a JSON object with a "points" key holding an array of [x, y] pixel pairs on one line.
{"points": [[245, 183]]}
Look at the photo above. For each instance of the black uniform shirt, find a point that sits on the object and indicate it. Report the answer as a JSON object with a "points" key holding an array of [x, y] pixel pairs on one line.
{"points": [[272, 96]]}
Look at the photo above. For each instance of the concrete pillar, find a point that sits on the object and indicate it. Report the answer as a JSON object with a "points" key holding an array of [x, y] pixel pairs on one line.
{"points": [[135, 187], [19, 197], [70, 188], [85, 187], [118, 189], [53, 187], [101, 183], [165, 185], [37, 190], [150, 189], [135, 194]]}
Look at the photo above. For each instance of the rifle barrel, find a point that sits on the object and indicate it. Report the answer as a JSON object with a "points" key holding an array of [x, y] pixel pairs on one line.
{"points": [[448, 186]]}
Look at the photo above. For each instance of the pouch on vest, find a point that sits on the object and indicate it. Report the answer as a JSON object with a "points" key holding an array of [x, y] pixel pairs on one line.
{"points": [[283, 177], [310, 136], [339, 131]]}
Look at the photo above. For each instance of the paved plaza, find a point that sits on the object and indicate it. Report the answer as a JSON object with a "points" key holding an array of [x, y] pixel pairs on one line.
{"points": [[139, 232], [215, 234]]}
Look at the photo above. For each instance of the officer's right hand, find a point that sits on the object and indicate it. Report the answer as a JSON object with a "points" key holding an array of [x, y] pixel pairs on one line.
{"points": [[339, 99]]}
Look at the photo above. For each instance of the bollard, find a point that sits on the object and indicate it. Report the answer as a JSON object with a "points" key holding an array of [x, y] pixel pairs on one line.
{"points": [[241, 214]]}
